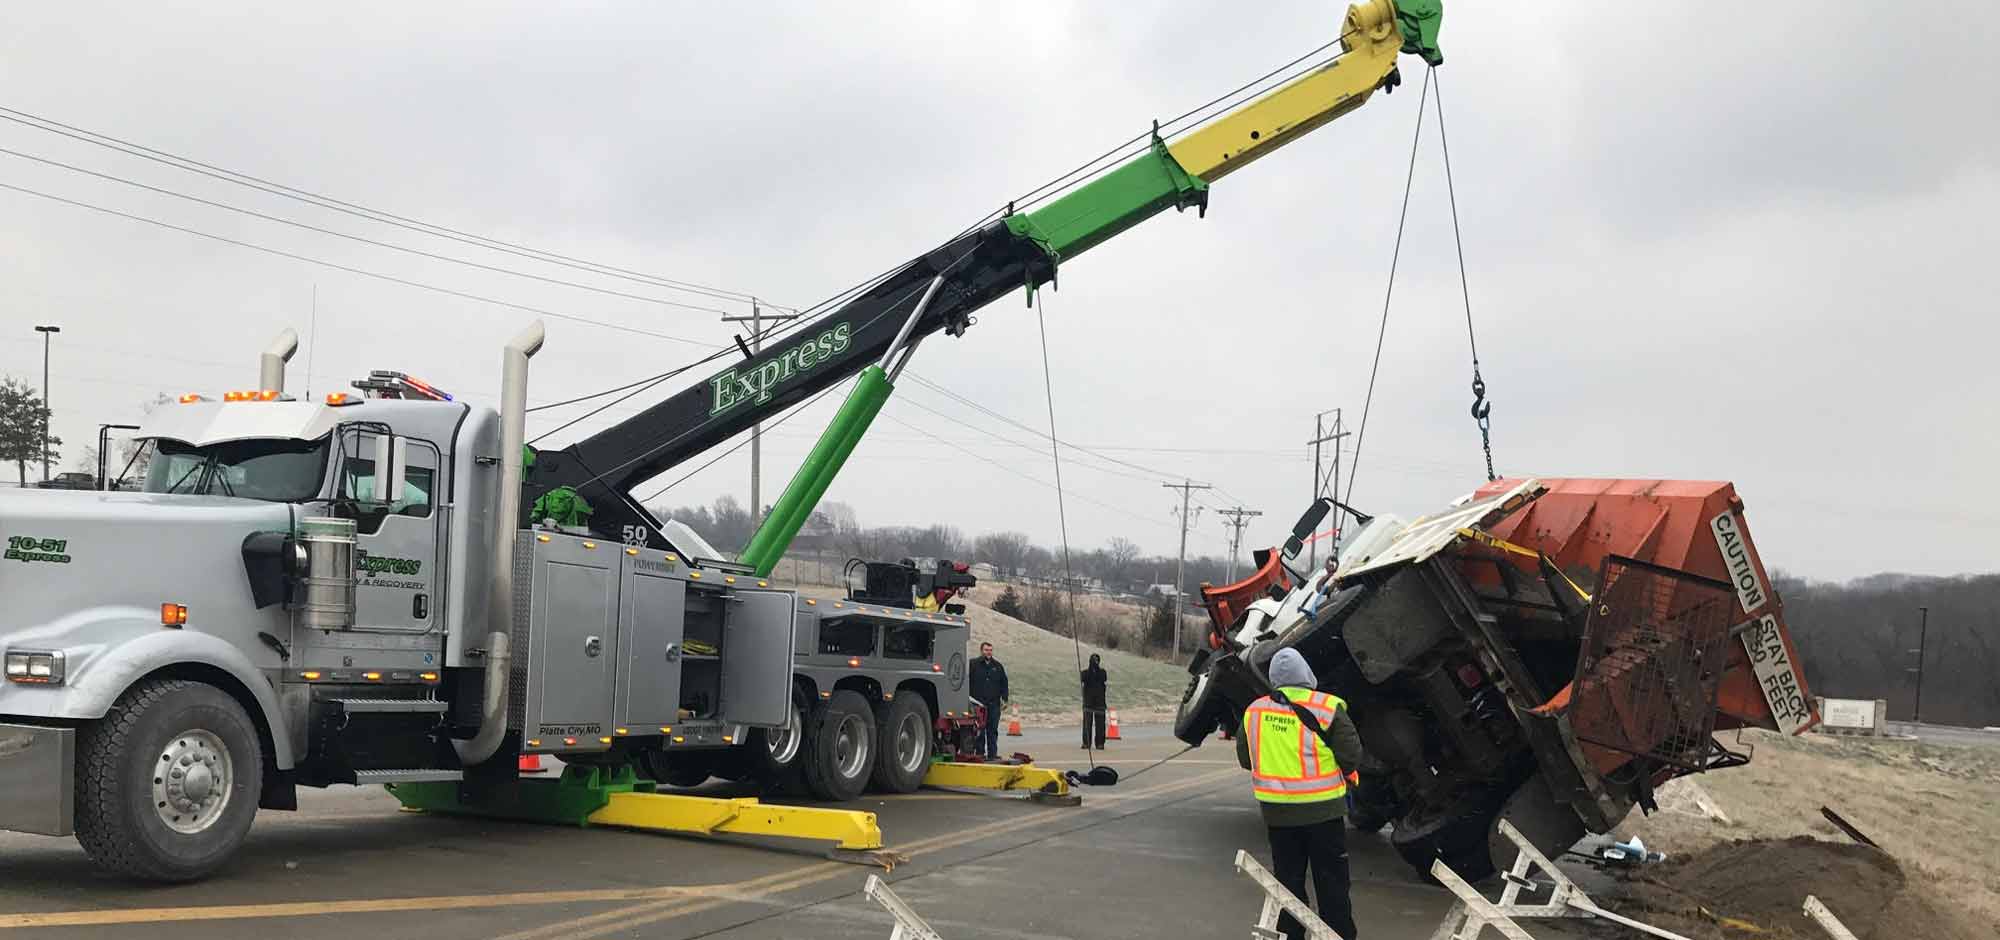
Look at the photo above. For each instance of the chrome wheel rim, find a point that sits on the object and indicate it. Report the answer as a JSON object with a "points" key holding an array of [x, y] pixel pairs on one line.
{"points": [[912, 742], [784, 743], [850, 746], [192, 781]]}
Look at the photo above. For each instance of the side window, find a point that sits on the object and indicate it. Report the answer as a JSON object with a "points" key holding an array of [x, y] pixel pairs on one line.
{"points": [[358, 477], [907, 642], [847, 637]]}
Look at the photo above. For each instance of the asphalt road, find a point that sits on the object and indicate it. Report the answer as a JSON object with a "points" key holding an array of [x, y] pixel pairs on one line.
{"points": [[1149, 858], [1948, 734]]}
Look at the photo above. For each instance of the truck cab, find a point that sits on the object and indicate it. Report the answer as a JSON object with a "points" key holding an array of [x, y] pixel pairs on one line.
{"points": [[342, 591]]}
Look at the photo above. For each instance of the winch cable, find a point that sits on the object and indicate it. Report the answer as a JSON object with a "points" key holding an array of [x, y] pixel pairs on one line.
{"points": [[1395, 257], [1482, 409], [1062, 520]]}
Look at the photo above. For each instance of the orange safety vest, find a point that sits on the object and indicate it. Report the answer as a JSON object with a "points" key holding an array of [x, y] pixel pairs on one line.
{"points": [[1288, 762]]}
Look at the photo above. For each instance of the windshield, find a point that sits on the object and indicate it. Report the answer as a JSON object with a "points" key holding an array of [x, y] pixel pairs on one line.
{"points": [[277, 470]]}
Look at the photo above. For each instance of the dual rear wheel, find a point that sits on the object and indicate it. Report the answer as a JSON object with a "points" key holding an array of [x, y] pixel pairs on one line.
{"points": [[837, 747]]}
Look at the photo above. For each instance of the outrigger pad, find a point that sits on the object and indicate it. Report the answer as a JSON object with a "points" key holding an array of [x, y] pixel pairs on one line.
{"points": [[1100, 776]]}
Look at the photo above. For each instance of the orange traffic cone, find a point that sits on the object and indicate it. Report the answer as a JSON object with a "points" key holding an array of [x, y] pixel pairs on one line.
{"points": [[1014, 722], [1111, 725], [532, 764]]}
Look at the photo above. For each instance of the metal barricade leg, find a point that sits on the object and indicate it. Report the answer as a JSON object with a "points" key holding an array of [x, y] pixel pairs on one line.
{"points": [[1277, 902], [1472, 914], [909, 925]]}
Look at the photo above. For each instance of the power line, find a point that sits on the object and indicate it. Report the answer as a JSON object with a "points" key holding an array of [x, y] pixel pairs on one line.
{"points": [[191, 165], [355, 238], [1017, 472], [1149, 471], [1014, 443], [349, 269]]}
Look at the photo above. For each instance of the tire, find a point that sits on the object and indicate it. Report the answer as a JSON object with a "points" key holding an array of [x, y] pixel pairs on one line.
{"points": [[1372, 802], [1200, 712], [839, 747], [134, 816], [1551, 827], [903, 734], [775, 758], [1460, 841]]}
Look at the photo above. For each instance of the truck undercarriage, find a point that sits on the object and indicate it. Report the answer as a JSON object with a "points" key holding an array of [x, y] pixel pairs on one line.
{"points": [[1547, 653]]}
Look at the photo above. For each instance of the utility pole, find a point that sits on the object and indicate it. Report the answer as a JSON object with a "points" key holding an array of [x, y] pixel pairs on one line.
{"points": [[756, 320], [47, 332], [1238, 518], [1187, 488], [1323, 433], [1923, 629]]}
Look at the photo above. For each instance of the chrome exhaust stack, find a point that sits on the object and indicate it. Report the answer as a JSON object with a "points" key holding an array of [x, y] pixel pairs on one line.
{"points": [[271, 364], [500, 603]]}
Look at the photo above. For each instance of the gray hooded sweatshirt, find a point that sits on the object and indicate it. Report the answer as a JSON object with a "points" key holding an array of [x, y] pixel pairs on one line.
{"points": [[1289, 670]]}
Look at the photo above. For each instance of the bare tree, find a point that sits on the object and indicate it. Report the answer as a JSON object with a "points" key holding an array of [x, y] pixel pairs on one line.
{"points": [[1003, 550]]}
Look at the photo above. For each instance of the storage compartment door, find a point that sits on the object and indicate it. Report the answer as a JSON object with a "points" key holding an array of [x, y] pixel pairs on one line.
{"points": [[651, 609], [573, 661], [757, 644]]}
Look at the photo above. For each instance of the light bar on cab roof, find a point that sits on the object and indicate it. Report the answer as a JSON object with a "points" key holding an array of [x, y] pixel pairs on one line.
{"points": [[426, 389]]}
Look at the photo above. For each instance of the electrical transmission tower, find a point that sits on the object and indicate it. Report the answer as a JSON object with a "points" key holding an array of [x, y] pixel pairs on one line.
{"points": [[1187, 488], [1325, 433], [1236, 519]]}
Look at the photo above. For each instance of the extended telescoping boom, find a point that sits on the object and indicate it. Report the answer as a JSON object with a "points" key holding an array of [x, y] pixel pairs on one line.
{"points": [[364, 589], [875, 333]]}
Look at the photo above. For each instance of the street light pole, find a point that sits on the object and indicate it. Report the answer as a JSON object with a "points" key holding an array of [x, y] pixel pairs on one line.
{"points": [[47, 332], [1923, 629]]}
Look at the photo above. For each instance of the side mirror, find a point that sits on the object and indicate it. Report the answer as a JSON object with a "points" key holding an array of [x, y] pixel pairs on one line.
{"points": [[1307, 524]]}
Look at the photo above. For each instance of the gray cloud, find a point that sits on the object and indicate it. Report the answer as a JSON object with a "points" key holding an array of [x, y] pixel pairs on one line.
{"points": [[1739, 248]]}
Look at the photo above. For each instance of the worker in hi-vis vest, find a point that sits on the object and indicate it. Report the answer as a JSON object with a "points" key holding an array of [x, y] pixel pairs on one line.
{"points": [[1301, 778]]}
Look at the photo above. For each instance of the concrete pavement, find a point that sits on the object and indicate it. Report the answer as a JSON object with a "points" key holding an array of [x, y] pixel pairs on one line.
{"points": [[1151, 857]]}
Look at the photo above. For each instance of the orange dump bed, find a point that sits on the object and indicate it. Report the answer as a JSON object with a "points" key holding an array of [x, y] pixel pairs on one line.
{"points": [[1693, 526]]}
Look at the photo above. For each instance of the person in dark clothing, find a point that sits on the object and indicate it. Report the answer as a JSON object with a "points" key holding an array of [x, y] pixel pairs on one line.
{"points": [[989, 688], [1303, 800], [1094, 680]]}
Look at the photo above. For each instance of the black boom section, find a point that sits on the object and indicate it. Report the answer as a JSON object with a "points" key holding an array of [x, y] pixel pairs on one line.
{"points": [[979, 268]]}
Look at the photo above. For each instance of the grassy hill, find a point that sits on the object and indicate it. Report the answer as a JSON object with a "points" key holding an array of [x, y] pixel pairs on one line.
{"points": [[1042, 670]]}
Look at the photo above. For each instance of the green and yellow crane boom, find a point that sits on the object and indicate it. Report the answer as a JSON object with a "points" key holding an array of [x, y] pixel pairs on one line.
{"points": [[873, 334]]}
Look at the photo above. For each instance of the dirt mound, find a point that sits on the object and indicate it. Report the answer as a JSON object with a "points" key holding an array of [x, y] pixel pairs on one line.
{"points": [[1764, 883]]}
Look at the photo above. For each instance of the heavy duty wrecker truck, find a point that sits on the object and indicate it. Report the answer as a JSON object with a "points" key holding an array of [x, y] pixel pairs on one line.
{"points": [[387, 586]]}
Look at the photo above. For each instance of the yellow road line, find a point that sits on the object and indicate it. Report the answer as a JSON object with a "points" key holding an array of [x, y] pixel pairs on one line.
{"points": [[355, 906], [630, 918], [661, 902]]}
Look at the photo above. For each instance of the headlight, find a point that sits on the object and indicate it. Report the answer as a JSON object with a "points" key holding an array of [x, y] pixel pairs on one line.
{"points": [[35, 668]]}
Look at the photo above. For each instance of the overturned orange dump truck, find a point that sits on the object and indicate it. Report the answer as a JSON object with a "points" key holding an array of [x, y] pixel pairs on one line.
{"points": [[1545, 651]]}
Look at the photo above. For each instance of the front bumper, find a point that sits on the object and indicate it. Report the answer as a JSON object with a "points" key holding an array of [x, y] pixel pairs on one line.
{"points": [[37, 779]]}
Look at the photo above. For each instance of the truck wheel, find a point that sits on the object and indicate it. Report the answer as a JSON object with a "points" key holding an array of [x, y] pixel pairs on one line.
{"points": [[903, 734], [1551, 827], [839, 747], [776, 756], [168, 781], [1200, 712], [1460, 840]]}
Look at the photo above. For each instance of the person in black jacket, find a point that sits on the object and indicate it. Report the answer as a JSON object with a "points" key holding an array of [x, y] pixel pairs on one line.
{"points": [[1094, 681], [989, 688]]}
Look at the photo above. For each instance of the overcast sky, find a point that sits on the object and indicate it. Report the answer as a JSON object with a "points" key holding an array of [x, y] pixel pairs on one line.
{"points": [[1700, 243]]}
